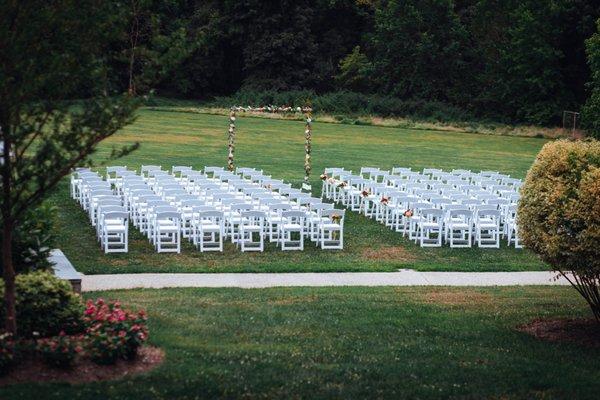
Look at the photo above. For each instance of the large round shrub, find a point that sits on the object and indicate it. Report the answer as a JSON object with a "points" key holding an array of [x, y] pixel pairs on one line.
{"points": [[45, 306], [559, 213]]}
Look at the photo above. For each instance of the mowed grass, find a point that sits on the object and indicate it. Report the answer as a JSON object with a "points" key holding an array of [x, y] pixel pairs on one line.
{"points": [[344, 343], [277, 147]]}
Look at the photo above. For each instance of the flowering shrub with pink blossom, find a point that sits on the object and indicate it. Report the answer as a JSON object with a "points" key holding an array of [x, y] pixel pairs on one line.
{"points": [[112, 332], [7, 352], [60, 351]]}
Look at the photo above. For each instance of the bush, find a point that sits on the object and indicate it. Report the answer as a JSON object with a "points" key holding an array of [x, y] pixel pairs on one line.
{"points": [[559, 213], [33, 239], [45, 306], [7, 352], [59, 351], [349, 104], [112, 332]]}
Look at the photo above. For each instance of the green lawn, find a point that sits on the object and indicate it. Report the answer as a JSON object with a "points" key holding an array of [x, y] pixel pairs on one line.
{"points": [[277, 146], [428, 343]]}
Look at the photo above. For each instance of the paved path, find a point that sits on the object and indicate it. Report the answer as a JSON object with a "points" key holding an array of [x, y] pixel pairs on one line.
{"points": [[263, 280]]}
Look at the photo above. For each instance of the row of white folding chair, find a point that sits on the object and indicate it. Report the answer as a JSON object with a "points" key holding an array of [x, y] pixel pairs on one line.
{"points": [[430, 226], [222, 202], [296, 200], [105, 210], [78, 177], [87, 187], [313, 210], [281, 224], [221, 175], [378, 215], [154, 216], [484, 195], [158, 181]]}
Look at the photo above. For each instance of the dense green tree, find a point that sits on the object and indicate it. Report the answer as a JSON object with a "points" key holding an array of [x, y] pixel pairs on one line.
{"points": [[420, 49], [591, 110], [50, 53], [278, 45], [356, 72], [512, 60], [531, 85]]}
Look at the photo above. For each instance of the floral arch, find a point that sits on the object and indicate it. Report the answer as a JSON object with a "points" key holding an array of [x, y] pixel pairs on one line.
{"points": [[306, 111]]}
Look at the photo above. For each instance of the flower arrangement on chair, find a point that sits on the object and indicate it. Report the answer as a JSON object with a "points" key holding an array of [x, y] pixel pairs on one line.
{"points": [[365, 193], [385, 200], [323, 177], [336, 218], [342, 185], [408, 213]]}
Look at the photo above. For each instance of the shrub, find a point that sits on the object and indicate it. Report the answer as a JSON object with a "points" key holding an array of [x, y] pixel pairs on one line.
{"points": [[112, 332], [33, 239], [349, 104], [559, 213], [7, 352], [45, 306], [59, 351]]}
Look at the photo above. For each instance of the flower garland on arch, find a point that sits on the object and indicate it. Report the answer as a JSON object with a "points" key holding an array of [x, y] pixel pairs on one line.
{"points": [[307, 150], [231, 141], [273, 109]]}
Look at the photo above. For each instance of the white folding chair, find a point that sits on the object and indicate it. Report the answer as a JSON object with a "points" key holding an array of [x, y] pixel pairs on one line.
{"points": [[167, 231], [115, 229], [252, 227], [487, 228], [331, 229], [430, 227], [208, 229], [292, 225], [512, 228], [459, 227]]}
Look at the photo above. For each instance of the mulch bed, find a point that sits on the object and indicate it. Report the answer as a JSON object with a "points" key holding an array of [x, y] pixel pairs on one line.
{"points": [[84, 370], [584, 332]]}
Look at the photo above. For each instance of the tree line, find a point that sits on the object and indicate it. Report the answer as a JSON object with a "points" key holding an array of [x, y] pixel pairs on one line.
{"points": [[509, 60]]}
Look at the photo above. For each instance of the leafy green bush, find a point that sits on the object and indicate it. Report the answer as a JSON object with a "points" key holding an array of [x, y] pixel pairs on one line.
{"points": [[33, 239], [559, 213], [45, 305], [59, 351], [7, 352]]}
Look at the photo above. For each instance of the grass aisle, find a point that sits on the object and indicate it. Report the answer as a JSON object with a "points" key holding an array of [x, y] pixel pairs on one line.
{"points": [[277, 146], [429, 343]]}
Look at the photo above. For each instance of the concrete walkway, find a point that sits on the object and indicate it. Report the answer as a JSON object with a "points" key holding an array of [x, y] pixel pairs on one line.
{"points": [[264, 280]]}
